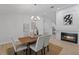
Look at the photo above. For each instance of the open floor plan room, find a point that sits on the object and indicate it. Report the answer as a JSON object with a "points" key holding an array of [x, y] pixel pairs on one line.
{"points": [[39, 29]]}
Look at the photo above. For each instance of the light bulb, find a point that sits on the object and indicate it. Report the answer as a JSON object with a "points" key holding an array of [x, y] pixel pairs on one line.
{"points": [[32, 17], [38, 17]]}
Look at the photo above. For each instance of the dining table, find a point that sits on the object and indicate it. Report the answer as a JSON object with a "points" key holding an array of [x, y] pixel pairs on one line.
{"points": [[27, 40]]}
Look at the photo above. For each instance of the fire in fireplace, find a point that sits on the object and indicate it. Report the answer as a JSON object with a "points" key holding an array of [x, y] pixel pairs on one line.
{"points": [[70, 37]]}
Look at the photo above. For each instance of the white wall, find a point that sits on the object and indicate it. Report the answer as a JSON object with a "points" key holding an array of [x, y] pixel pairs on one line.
{"points": [[11, 25], [74, 10], [60, 27], [48, 27], [49, 21]]}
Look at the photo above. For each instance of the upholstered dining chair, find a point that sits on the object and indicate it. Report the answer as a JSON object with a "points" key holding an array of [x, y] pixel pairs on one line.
{"points": [[18, 47], [46, 42], [38, 45]]}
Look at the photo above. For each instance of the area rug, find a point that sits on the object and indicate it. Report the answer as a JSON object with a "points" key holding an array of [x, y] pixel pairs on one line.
{"points": [[53, 50]]}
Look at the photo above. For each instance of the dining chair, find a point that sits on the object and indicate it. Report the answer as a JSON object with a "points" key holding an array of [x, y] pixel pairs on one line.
{"points": [[38, 45], [18, 47], [46, 42]]}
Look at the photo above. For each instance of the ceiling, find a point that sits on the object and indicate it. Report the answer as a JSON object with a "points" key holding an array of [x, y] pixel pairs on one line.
{"points": [[42, 10], [31, 9]]}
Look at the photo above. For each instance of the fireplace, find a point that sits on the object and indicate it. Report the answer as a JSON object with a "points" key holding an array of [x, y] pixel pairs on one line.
{"points": [[70, 37]]}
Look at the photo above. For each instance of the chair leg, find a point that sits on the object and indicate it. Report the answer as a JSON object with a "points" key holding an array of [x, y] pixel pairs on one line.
{"points": [[48, 48], [26, 51], [15, 53], [35, 53], [30, 51], [44, 50], [23, 50], [41, 52]]}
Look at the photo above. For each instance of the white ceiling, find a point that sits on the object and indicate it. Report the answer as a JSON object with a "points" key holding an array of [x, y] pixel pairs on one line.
{"points": [[30, 9], [42, 10]]}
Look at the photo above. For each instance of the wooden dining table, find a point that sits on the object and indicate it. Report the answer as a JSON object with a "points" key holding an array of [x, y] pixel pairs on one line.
{"points": [[28, 40]]}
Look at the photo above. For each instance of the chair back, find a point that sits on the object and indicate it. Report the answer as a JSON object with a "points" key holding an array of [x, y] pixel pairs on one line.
{"points": [[39, 43], [13, 43], [46, 40]]}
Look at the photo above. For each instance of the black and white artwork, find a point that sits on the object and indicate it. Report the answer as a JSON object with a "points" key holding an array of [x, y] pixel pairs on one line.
{"points": [[68, 19]]}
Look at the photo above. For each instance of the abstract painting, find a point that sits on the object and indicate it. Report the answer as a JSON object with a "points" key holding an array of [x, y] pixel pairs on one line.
{"points": [[68, 19]]}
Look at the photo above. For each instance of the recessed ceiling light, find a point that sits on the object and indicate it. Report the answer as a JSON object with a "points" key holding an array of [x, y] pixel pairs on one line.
{"points": [[35, 4], [52, 7]]}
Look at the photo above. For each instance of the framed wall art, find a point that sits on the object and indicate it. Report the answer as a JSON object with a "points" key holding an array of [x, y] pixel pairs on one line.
{"points": [[68, 19]]}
